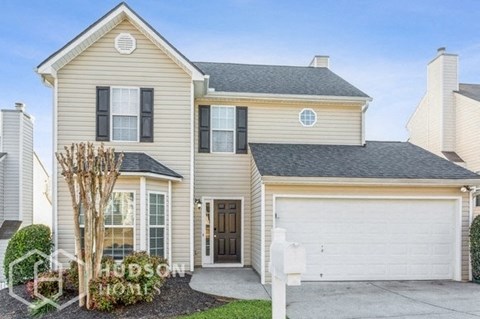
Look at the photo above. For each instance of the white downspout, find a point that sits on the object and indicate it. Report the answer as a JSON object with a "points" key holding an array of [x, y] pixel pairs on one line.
{"points": [[170, 223]]}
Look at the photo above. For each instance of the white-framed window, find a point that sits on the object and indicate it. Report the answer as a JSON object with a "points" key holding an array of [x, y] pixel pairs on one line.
{"points": [[119, 225], [307, 117], [156, 224], [125, 114], [223, 129]]}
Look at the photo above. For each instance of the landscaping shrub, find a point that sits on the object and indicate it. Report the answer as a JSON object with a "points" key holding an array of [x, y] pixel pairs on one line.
{"points": [[105, 292], [134, 280], [475, 248], [147, 276], [23, 241], [47, 284]]}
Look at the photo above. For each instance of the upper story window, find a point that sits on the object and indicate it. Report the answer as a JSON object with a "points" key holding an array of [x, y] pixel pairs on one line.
{"points": [[307, 117], [223, 129], [125, 113]]}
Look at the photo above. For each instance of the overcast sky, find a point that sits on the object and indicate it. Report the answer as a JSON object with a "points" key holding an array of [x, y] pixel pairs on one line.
{"points": [[382, 47]]}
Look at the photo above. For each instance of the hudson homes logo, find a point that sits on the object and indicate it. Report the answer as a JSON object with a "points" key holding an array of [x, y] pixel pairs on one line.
{"points": [[61, 300]]}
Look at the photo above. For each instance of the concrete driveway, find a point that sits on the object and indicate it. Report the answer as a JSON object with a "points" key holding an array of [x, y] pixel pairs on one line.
{"points": [[392, 299], [352, 300]]}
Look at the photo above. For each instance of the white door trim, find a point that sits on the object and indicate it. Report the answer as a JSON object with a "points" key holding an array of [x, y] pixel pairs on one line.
{"points": [[242, 233], [458, 227]]}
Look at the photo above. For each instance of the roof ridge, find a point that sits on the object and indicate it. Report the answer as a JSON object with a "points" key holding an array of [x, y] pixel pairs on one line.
{"points": [[263, 64]]}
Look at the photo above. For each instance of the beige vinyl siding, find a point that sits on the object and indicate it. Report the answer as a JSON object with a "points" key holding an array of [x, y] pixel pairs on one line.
{"points": [[147, 66], [271, 122], [229, 175], [271, 190], [256, 218], [468, 126]]}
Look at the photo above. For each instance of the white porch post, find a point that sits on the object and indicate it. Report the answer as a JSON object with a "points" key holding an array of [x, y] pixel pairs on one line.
{"points": [[143, 213]]}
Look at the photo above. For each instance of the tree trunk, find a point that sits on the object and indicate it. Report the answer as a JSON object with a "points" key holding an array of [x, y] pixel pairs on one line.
{"points": [[90, 177]]}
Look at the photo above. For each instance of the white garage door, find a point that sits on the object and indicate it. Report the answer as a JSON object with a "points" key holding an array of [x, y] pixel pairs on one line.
{"points": [[373, 239]]}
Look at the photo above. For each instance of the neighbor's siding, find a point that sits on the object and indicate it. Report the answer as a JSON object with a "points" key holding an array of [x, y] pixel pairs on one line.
{"points": [[17, 139], [433, 125], [2, 217], [3, 248], [271, 190], [147, 66], [256, 187], [229, 175], [468, 126]]}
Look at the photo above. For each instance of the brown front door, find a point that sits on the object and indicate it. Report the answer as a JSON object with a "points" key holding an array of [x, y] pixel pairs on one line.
{"points": [[227, 231]]}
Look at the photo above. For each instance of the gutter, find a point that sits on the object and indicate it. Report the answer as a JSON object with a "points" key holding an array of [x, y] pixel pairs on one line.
{"points": [[286, 97], [282, 180]]}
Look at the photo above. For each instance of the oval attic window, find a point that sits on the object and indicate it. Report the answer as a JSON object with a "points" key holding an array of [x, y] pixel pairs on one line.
{"points": [[125, 43]]}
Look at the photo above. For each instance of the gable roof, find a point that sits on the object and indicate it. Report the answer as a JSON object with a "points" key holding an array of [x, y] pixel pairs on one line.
{"points": [[102, 26], [276, 79], [134, 162], [393, 160], [469, 90]]}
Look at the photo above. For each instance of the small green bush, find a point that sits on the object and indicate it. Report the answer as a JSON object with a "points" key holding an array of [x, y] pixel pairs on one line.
{"points": [[105, 291], [24, 241], [135, 280], [475, 248], [147, 278]]}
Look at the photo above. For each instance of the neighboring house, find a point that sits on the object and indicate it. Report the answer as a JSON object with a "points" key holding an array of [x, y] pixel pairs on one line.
{"points": [[42, 197], [217, 154], [448, 115], [20, 193]]}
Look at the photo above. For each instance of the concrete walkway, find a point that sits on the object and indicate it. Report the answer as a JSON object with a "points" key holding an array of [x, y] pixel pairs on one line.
{"points": [[238, 283]]}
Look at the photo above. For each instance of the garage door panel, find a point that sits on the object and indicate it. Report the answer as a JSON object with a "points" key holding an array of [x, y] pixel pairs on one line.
{"points": [[372, 239]]}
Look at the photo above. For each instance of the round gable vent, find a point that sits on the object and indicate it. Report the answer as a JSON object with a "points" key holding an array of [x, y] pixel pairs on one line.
{"points": [[125, 43]]}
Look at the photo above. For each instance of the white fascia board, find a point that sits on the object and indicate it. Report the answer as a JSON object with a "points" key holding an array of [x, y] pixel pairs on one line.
{"points": [[151, 175], [286, 97], [272, 180], [47, 67]]}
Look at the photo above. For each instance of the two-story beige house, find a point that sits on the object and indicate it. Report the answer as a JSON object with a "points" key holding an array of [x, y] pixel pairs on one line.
{"points": [[447, 117], [217, 154]]}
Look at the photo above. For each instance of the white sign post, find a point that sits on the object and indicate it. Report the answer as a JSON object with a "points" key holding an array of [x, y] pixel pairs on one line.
{"points": [[288, 262]]}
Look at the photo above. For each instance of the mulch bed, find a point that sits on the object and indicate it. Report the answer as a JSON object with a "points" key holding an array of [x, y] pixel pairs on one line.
{"points": [[176, 298]]}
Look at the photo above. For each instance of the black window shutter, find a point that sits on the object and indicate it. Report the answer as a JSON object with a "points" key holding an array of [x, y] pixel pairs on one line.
{"points": [[103, 113], [146, 115], [242, 128], [204, 129]]}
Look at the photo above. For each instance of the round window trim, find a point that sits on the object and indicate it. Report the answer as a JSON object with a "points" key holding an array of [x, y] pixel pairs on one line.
{"points": [[125, 43], [302, 120]]}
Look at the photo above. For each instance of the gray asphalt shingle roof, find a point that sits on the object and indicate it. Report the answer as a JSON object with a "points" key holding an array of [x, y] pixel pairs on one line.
{"points": [[470, 90], [397, 160], [142, 163], [276, 79]]}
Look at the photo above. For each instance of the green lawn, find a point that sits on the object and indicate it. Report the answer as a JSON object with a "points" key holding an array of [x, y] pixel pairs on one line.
{"points": [[241, 309]]}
